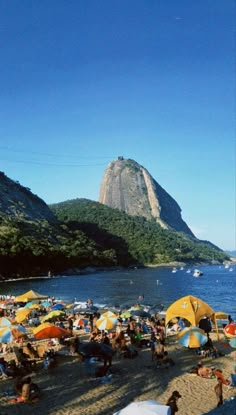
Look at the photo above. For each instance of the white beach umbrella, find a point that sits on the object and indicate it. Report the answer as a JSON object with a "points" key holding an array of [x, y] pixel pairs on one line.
{"points": [[150, 407]]}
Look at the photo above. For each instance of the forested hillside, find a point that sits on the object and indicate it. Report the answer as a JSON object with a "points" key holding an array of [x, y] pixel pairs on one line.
{"points": [[133, 239]]}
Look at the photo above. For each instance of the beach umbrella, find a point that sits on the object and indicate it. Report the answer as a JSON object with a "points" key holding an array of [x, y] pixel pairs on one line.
{"points": [[140, 313], [22, 314], [94, 349], [149, 407], [29, 304], [192, 337], [86, 310], [11, 333], [4, 322], [105, 322], [230, 330], [126, 314], [46, 304], [190, 308], [232, 342], [30, 296], [220, 315], [49, 331], [109, 314], [58, 306], [52, 315]]}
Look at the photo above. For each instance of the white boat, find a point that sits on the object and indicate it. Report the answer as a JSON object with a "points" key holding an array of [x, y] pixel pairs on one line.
{"points": [[188, 271], [197, 273], [174, 269], [226, 266]]}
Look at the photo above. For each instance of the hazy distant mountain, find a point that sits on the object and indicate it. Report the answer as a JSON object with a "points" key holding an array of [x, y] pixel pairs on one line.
{"points": [[129, 187], [231, 253]]}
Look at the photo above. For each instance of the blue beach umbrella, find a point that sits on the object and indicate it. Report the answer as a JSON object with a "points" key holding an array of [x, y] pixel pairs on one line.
{"points": [[58, 306], [192, 337]]}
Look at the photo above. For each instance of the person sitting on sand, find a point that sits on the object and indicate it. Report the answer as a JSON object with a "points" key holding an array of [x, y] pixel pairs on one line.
{"points": [[204, 371], [207, 372], [27, 390]]}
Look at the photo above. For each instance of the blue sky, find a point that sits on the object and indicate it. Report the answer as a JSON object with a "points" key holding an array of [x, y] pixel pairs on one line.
{"points": [[83, 82]]}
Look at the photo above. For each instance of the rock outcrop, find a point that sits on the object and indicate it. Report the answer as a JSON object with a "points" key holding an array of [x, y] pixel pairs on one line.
{"points": [[129, 187]]}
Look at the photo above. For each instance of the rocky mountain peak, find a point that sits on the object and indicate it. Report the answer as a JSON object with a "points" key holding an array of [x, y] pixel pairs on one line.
{"points": [[128, 186]]}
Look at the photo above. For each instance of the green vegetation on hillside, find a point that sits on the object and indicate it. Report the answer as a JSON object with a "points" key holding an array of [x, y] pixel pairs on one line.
{"points": [[133, 239], [88, 233]]}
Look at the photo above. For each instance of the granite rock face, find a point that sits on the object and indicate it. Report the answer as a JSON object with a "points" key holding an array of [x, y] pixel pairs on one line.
{"points": [[20, 203], [129, 187]]}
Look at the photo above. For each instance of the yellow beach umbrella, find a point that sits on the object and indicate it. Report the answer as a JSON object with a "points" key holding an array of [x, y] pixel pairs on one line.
{"points": [[220, 315], [53, 314], [30, 296], [22, 315]]}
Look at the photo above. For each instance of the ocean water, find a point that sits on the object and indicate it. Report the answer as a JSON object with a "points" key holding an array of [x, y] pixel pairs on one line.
{"points": [[159, 286]]}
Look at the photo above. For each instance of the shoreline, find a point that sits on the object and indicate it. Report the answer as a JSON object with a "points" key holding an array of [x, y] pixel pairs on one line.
{"points": [[91, 270]]}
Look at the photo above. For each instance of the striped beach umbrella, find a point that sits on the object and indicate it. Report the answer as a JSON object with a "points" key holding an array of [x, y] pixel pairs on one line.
{"points": [[107, 321], [11, 333], [192, 337], [4, 322]]}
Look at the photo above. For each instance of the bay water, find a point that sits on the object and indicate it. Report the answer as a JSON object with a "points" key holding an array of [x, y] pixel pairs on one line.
{"points": [[158, 286]]}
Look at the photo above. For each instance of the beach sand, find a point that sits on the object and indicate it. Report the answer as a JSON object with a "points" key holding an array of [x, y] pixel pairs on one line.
{"points": [[70, 390]]}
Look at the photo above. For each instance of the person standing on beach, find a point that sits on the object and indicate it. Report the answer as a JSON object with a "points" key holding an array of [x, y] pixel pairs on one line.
{"points": [[172, 402], [219, 392]]}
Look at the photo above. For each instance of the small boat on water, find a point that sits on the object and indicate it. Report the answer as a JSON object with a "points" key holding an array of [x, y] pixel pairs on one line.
{"points": [[197, 273], [174, 269]]}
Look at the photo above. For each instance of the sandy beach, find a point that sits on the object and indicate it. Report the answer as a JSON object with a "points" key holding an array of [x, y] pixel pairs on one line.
{"points": [[69, 389]]}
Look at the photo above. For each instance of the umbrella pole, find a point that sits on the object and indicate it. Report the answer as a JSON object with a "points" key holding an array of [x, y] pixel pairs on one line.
{"points": [[216, 326]]}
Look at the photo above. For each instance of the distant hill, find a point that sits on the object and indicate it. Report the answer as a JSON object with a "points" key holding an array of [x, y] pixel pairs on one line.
{"points": [[129, 187]]}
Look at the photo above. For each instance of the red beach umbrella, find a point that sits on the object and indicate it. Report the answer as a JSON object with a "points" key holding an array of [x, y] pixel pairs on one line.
{"points": [[49, 331], [230, 330]]}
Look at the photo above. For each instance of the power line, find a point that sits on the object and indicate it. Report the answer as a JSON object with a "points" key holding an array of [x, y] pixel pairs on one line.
{"points": [[53, 154], [52, 164]]}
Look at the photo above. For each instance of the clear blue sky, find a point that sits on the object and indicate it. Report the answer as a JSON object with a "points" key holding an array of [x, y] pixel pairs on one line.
{"points": [[83, 82]]}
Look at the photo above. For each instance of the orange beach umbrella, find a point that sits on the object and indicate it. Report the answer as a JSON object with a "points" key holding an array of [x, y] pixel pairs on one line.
{"points": [[49, 331]]}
